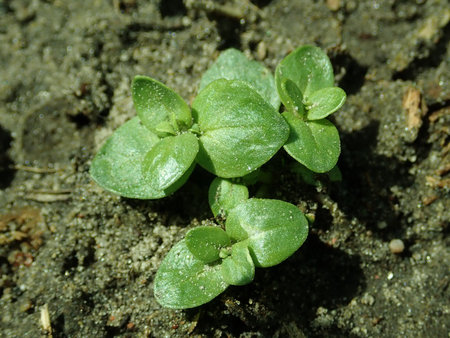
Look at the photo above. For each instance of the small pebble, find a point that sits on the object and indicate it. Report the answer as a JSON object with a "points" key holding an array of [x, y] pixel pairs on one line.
{"points": [[26, 305], [396, 246], [334, 5], [261, 51], [367, 299]]}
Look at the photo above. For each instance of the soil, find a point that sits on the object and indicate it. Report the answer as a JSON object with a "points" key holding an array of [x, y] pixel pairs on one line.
{"points": [[89, 257]]}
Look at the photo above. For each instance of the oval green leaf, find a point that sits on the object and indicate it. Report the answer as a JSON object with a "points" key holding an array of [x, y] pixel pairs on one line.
{"points": [[169, 160], [294, 97], [160, 109], [224, 195], [117, 165], [238, 269], [234, 65], [308, 67], [183, 281], [324, 102], [315, 144], [205, 242], [240, 131], [273, 229]]}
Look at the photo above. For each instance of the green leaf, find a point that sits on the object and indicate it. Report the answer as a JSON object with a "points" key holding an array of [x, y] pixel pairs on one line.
{"points": [[169, 160], [234, 65], [308, 67], [239, 130], [183, 281], [335, 174], [294, 97], [315, 144], [273, 229], [238, 269], [324, 102], [205, 242], [251, 178], [160, 109], [306, 175], [117, 166], [224, 195]]}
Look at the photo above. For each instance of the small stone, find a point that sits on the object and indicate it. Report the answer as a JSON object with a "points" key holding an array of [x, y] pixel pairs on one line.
{"points": [[334, 5], [261, 51], [367, 299], [26, 305], [396, 246]]}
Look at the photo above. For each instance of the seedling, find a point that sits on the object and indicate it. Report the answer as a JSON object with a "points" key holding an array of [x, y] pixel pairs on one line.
{"points": [[258, 233], [231, 131], [305, 83], [232, 128]]}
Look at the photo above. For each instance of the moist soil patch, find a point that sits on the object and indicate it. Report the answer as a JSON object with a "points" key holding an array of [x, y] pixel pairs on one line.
{"points": [[85, 259]]}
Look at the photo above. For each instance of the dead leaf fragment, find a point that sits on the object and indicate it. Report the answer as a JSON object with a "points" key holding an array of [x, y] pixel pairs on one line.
{"points": [[429, 199], [415, 109], [439, 113]]}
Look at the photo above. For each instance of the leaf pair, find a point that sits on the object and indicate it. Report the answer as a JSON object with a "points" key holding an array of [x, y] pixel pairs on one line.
{"points": [[304, 81], [258, 233], [231, 132], [118, 166]]}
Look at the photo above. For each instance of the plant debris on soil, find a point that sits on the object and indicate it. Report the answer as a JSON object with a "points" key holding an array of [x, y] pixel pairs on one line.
{"points": [[77, 261]]}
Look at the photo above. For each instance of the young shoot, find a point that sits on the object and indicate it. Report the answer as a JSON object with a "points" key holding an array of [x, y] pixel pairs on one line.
{"points": [[258, 233], [305, 83], [153, 154], [232, 128]]}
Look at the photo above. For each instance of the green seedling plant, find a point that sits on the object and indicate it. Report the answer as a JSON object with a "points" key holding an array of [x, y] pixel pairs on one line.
{"points": [[305, 83], [232, 128], [257, 233]]}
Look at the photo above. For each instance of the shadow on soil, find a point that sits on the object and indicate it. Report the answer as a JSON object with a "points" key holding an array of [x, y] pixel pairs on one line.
{"points": [[365, 192], [6, 171], [316, 276]]}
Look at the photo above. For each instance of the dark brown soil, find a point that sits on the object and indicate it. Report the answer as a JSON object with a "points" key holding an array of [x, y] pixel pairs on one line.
{"points": [[90, 256]]}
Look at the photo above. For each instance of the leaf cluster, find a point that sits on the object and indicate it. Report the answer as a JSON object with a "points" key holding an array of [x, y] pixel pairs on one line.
{"points": [[258, 233], [232, 128], [305, 82]]}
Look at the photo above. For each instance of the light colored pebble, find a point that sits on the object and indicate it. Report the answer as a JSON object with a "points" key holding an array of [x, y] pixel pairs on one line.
{"points": [[396, 246], [261, 51], [334, 5], [367, 299]]}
